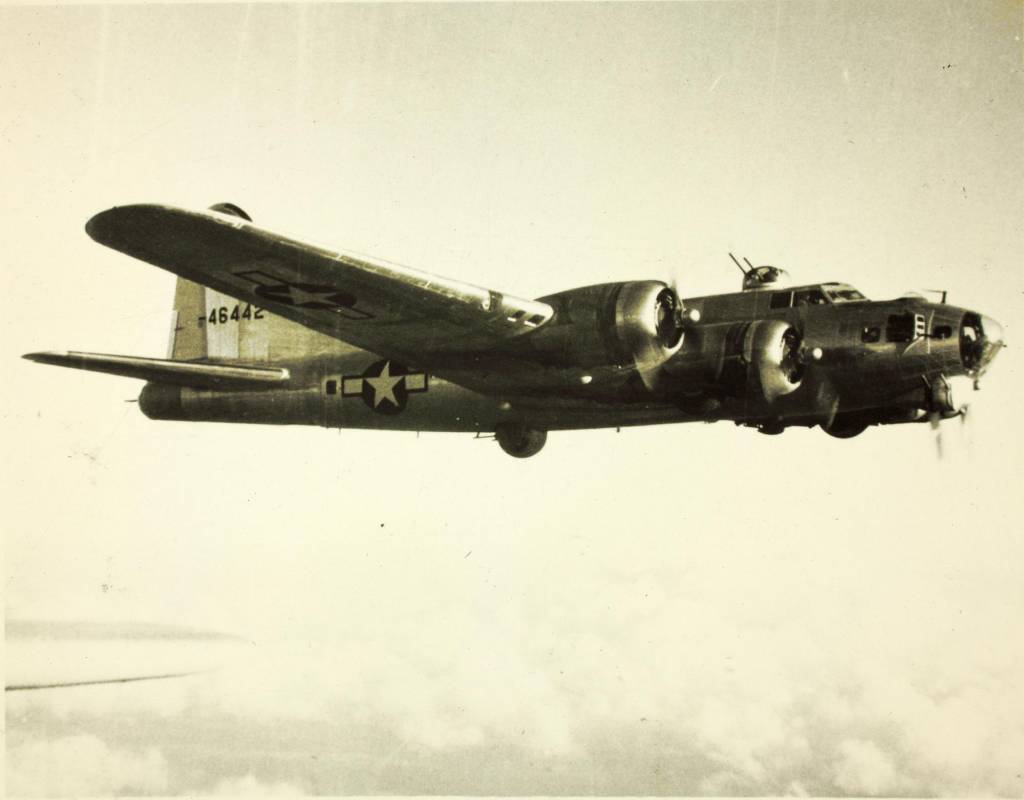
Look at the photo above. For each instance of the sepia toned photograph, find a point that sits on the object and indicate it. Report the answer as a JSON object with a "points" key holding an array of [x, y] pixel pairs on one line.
{"points": [[513, 399]]}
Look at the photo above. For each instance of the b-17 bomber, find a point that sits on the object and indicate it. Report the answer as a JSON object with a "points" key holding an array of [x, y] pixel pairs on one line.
{"points": [[268, 329]]}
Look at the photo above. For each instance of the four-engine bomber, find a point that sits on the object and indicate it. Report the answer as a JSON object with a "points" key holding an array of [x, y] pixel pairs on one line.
{"points": [[267, 329]]}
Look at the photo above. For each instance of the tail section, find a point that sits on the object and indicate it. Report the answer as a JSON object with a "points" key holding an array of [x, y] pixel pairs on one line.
{"points": [[206, 324], [188, 340], [216, 341]]}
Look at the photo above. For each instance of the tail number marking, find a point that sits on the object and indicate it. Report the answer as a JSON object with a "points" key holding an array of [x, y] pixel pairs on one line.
{"points": [[221, 315]]}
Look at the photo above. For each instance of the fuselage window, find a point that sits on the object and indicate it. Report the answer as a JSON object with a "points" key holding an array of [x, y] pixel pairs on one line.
{"points": [[809, 297], [780, 300], [845, 294], [942, 331], [901, 328], [870, 334], [332, 387]]}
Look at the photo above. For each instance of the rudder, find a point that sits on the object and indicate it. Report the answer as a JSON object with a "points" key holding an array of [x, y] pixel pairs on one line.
{"points": [[188, 338]]}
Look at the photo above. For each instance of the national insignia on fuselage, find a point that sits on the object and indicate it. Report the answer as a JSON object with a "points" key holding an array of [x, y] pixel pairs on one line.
{"points": [[385, 386]]}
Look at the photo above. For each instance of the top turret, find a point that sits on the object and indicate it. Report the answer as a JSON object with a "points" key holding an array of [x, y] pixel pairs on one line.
{"points": [[766, 277]]}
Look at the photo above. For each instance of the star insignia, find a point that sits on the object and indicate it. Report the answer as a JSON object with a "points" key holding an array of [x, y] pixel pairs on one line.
{"points": [[385, 386]]}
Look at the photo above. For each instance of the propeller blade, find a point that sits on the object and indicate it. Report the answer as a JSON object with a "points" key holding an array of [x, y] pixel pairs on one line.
{"points": [[934, 421], [650, 378]]}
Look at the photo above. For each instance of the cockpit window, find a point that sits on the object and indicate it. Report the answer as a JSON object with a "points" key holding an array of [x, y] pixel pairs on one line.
{"points": [[780, 299], [844, 294], [809, 297]]}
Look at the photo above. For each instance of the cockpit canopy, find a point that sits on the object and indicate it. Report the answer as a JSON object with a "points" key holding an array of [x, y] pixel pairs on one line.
{"points": [[818, 295], [842, 293]]}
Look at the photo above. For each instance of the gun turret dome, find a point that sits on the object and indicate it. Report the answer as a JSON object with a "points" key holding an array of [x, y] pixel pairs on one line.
{"points": [[766, 277]]}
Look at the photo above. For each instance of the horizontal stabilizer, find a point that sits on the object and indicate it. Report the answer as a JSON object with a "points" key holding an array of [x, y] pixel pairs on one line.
{"points": [[179, 373]]}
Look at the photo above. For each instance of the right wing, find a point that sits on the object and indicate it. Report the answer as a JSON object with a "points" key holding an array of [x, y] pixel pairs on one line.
{"points": [[392, 310]]}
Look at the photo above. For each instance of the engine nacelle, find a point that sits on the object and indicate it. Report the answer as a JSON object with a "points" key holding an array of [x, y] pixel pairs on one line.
{"points": [[948, 396], [772, 349], [761, 360], [635, 324]]}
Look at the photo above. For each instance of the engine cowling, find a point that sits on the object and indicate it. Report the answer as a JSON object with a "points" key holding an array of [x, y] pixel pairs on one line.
{"points": [[948, 396], [636, 324], [762, 359]]}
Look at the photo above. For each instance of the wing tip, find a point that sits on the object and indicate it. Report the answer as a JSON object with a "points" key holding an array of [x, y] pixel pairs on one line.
{"points": [[104, 226], [44, 357], [110, 226]]}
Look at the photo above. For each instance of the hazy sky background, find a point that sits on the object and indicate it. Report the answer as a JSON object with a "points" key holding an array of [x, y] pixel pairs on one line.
{"points": [[685, 609]]}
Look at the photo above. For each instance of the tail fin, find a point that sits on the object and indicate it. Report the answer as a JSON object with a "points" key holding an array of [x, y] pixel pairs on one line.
{"points": [[188, 338], [206, 324]]}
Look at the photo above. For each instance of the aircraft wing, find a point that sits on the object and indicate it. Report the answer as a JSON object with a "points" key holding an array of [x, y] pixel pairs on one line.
{"points": [[392, 310], [28, 687], [53, 654]]}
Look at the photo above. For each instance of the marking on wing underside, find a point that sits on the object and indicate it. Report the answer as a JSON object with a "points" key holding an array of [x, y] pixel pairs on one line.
{"points": [[314, 296]]}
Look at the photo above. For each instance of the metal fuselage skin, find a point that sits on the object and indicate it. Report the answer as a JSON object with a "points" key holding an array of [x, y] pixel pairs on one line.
{"points": [[881, 360]]}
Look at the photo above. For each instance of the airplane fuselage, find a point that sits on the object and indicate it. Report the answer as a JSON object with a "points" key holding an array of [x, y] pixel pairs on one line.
{"points": [[881, 357]]}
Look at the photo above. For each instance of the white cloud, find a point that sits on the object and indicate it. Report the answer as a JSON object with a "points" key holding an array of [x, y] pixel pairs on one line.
{"points": [[249, 786], [82, 765], [863, 769], [772, 704]]}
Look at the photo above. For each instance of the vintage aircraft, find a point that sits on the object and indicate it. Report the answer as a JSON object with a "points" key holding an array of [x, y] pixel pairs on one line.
{"points": [[58, 654], [268, 329]]}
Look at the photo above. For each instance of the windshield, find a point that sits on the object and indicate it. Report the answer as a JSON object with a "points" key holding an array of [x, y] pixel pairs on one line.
{"points": [[843, 294]]}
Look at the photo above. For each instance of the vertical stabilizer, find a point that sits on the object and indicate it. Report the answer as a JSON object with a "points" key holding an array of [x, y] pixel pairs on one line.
{"points": [[209, 325], [188, 335]]}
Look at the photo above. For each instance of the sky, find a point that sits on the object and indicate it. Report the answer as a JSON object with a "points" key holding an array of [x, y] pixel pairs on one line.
{"points": [[690, 609]]}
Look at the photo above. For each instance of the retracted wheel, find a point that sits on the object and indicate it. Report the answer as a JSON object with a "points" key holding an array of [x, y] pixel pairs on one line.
{"points": [[519, 440], [845, 428]]}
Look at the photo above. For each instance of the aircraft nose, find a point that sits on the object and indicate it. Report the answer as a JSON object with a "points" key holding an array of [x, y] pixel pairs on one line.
{"points": [[991, 340], [981, 338]]}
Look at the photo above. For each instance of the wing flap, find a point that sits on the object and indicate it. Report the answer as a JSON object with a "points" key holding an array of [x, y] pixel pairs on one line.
{"points": [[387, 308], [179, 373]]}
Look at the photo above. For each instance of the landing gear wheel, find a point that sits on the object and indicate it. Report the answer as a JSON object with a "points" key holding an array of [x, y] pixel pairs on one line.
{"points": [[520, 441], [845, 429]]}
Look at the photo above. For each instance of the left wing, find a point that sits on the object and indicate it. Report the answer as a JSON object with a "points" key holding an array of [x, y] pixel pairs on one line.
{"points": [[389, 309]]}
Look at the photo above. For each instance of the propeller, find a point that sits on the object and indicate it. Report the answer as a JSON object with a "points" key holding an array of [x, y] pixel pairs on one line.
{"points": [[671, 321], [948, 404], [934, 422]]}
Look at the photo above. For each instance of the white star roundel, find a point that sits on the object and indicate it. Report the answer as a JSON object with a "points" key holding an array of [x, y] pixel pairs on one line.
{"points": [[385, 386]]}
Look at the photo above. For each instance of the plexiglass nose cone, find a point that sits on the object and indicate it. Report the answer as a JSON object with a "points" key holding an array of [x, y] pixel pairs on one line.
{"points": [[991, 340]]}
